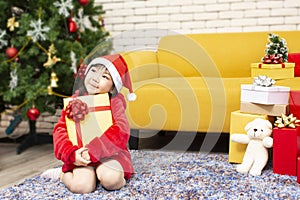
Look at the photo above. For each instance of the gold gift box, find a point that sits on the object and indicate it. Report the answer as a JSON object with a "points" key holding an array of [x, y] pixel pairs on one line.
{"points": [[238, 121], [274, 71], [264, 109], [95, 123]]}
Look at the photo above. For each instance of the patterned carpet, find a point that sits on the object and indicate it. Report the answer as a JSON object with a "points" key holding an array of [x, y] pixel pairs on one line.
{"points": [[173, 175]]}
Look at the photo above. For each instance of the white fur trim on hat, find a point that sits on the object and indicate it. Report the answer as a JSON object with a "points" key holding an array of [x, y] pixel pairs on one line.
{"points": [[131, 97], [112, 70]]}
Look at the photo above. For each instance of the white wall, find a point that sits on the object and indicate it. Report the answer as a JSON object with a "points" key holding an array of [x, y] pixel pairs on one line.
{"points": [[139, 24]]}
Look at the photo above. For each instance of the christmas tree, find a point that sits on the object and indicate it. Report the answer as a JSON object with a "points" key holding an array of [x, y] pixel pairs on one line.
{"points": [[42, 45], [276, 51]]}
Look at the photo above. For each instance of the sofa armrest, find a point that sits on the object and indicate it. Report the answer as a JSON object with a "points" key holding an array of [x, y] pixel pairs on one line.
{"points": [[142, 65]]}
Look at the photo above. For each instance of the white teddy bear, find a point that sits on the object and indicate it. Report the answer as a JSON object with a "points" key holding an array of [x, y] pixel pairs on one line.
{"points": [[258, 140]]}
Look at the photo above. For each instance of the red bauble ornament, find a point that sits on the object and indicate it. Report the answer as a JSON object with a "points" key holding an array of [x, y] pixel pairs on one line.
{"points": [[11, 52], [72, 26], [83, 2], [33, 113]]}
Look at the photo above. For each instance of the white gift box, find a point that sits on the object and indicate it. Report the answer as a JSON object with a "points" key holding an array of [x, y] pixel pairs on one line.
{"points": [[265, 95]]}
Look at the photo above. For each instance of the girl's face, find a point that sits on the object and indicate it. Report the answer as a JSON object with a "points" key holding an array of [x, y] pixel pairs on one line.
{"points": [[98, 80]]}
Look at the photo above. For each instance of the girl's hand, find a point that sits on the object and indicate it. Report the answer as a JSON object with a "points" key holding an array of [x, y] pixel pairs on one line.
{"points": [[85, 155], [79, 160]]}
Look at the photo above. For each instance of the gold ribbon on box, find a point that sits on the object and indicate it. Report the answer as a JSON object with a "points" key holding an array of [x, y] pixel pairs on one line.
{"points": [[287, 121], [263, 81]]}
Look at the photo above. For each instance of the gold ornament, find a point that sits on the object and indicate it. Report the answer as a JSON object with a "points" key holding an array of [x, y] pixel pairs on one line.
{"points": [[49, 89], [52, 49], [287, 121], [101, 21], [11, 23], [52, 59], [53, 80]]}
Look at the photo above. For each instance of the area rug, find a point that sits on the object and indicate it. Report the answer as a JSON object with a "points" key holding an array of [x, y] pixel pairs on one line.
{"points": [[173, 175]]}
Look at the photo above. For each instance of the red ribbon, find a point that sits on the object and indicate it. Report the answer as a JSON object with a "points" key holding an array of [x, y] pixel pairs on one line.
{"points": [[77, 124], [282, 65]]}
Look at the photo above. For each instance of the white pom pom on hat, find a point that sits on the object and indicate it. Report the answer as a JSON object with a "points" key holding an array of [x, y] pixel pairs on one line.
{"points": [[118, 70]]}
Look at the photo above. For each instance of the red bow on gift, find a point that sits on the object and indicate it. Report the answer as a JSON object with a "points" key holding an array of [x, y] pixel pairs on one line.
{"points": [[273, 59], [76, 110]]}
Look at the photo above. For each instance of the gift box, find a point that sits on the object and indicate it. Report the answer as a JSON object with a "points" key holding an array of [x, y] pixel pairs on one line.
{"points": [[295, 103], [298, 169], [263, 109], [286, 147], [295, 58], [274, 71], [265, 95], [94, 123], [238, 121]]}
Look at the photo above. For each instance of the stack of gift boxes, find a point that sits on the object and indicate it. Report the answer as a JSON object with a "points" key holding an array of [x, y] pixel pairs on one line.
{"points": [[281, 106]]}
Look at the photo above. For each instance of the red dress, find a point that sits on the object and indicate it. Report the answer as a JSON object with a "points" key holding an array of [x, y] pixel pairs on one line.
{"points": [[111, 144]]}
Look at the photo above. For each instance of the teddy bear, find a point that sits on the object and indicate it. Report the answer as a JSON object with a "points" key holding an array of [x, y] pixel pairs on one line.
{"points": [[258, 140]]}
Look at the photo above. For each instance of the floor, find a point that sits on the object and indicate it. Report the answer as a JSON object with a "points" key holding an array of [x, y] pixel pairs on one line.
{"points": [[14, 168]]}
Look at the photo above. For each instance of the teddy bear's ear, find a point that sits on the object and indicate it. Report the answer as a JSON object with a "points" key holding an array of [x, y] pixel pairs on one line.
{"points": [[249, 126], [268, 124]]}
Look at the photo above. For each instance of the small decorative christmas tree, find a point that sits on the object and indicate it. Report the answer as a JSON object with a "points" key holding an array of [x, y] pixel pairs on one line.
{"points": [[277, 50], [42, 45]]}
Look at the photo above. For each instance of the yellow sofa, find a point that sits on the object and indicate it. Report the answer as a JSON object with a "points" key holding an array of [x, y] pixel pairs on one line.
{"points": [[191, 83]]}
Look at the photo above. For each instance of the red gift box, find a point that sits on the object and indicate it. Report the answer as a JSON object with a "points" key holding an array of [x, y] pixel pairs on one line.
{"points": [[286, 149], [295, 103], [298, 169], [295, 58]]}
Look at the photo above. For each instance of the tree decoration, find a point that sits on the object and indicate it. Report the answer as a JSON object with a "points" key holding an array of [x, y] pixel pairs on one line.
{"points": [[80, 20], [73, 62], [53, 80], [72, 25], [83, 2], [52, 59], [3, 42], [11, 52], [101, 21], [38, 32], [42, 41], [16, 10], [33, 113], [13, 83], [12, 24], [64, 7], [277, 50]]}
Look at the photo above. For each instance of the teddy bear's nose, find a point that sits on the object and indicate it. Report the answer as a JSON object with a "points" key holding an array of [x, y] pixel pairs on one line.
{"points": [[255, 130]]}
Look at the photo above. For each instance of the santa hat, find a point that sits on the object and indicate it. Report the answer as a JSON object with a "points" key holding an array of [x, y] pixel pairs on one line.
{"points": [[118, 70]]}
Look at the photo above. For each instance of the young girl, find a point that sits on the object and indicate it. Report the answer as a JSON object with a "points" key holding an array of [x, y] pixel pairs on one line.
{"points": [[105, 158]]}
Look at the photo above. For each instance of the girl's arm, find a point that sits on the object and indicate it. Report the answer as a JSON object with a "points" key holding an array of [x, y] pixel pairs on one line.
{"points": [[115, 138], [63, 147]]}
